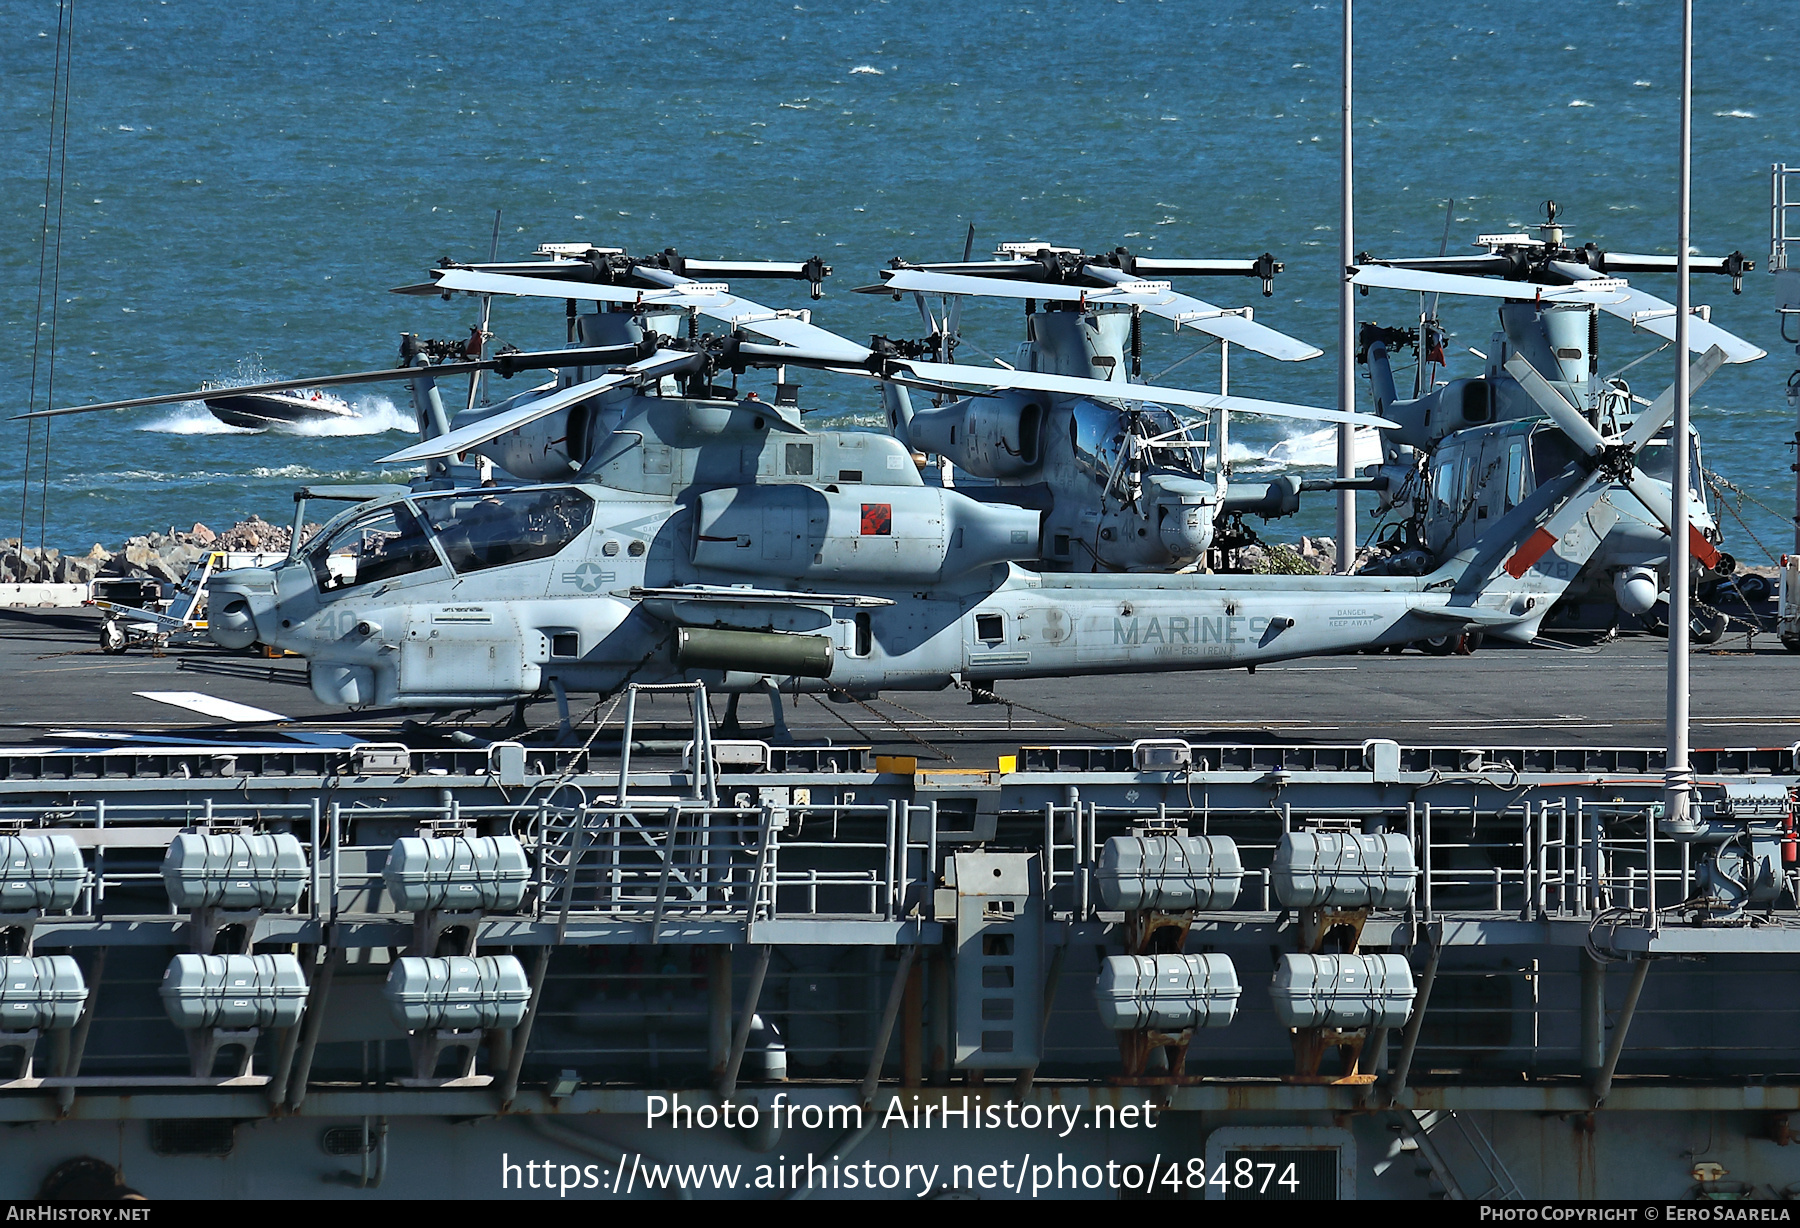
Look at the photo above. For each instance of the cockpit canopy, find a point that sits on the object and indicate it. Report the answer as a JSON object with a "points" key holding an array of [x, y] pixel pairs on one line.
{"points": [[468, 531]]}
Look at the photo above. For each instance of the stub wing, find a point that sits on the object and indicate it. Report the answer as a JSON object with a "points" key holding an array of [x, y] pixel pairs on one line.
{"points": [[725, 595]]}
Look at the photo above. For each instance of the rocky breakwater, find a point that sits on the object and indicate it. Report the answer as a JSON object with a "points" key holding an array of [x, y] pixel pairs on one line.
{"points": [[159, 556]]}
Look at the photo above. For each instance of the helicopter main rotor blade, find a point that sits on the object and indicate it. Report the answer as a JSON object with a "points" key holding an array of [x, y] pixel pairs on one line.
{"points": [[1580, 431], [286, 385], [1011, 270], [1202, 316], [478, 433], [1574, 509], [1388, 277], [1656, 415], [1634, 262], [1655, 498], [506, 364], [711, 299], [480, 281], [992, 285], [489, 428], [998, 378], [1654, 315], [1155, 297], [956, 373]]}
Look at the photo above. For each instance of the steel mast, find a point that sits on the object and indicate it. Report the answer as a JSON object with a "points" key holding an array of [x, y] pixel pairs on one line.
{"points": [[1346, 517], [1676, 782]]}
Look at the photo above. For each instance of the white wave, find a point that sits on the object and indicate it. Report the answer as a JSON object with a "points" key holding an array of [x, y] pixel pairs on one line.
{"points": [[283, 471], [1309, 450], [1735, 114], [192, 418], [1580, 102], [374, 415], [867, 70]]}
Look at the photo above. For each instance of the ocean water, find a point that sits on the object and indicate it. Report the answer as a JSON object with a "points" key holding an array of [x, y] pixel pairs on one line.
{"points": [[244, 185]]}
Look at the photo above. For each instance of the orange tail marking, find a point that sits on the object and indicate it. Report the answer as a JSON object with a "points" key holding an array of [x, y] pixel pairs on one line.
{"points": [[1701, 548], [1536, 547]]}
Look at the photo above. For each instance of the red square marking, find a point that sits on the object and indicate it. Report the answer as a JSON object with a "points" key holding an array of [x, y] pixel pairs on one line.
{"points": [[877, 520]]}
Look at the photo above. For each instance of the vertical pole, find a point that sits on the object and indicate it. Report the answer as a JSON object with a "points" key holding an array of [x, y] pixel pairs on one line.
{"points": [[1525, 864], [700, 722], [1346, 517], [625, 736], [1675, 778], [1222, 460], [896, 858], [718, 1009], [313, 895], [1425, 859]]}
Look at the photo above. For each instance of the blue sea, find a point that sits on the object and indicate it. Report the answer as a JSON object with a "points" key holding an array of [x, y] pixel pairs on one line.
{"points": [[245, 183]]}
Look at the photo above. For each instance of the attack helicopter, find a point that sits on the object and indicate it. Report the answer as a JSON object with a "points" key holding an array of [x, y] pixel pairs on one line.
{"points": [[758, 559], [1125, 485], [635, 409], [1468, 449]]}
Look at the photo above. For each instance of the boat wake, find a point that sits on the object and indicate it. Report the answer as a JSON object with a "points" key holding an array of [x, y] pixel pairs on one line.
{"points": [[1309, 450]]}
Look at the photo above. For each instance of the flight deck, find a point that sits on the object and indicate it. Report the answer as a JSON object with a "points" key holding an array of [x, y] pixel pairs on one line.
{"points": [[1573, 693]]}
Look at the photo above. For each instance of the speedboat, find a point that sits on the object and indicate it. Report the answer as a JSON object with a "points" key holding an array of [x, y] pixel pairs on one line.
{"points": [[257, 410]]}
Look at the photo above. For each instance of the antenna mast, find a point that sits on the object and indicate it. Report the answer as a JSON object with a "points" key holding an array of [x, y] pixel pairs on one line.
{"points": [[1676, 783], [1346, 517]]}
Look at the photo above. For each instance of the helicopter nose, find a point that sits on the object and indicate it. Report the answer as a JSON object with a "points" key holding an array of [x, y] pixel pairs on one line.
{"points": [[231, 624]]}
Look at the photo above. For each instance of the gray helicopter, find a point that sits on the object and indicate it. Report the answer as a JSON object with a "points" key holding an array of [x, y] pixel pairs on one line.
{"points": [[1470, 448], [714, 540], [1125, 485], [635, 409]]}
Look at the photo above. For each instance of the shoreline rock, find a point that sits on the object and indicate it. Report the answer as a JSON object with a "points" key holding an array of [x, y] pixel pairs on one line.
{"points": [[165, 556]]}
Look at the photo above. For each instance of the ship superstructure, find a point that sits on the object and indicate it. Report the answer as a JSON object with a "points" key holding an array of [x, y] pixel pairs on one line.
{"points": [[324, 957]]}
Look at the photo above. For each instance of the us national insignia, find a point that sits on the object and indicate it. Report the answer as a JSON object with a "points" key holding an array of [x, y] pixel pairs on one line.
{"points": [[588, 577]]}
